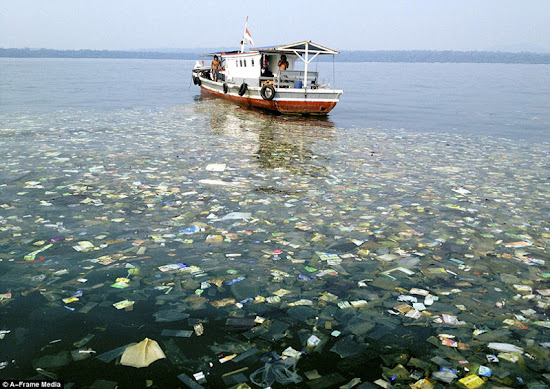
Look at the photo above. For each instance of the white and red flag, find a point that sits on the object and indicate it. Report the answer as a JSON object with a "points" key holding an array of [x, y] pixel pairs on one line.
{"points": [[247, 36]]}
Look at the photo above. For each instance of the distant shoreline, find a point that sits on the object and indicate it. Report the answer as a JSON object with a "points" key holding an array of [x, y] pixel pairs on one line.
{"points": [[411, 56]]}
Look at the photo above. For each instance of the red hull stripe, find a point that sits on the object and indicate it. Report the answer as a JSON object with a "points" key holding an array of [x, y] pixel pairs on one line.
{"points": [[288, 107]]}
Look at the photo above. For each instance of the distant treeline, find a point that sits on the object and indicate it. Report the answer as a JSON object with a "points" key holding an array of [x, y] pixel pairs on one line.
{"points": [[50, 53], [345, 56], [444, 56]]}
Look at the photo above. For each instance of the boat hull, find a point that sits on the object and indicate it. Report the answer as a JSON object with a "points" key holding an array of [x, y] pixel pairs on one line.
{"points": [[286, 100]]}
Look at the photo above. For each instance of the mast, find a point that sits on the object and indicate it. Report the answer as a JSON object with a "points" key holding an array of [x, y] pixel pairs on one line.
{"points": [[244, 34]]}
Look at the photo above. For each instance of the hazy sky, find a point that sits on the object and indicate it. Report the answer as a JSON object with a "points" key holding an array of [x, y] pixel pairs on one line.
{"points": [[506, 25]]}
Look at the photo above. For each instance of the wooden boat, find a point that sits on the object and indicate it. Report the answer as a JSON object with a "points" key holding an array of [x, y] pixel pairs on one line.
{"points": [[253, 78]]}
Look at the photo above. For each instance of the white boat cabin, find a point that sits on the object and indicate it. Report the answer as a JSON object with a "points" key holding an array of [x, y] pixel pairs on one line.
{"points": [[260, 66]]}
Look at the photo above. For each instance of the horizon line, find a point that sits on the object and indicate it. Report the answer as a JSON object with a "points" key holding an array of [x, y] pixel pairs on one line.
{"points": [[177, 50]]}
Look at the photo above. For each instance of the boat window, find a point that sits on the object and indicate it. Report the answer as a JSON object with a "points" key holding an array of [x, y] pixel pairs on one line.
{"points": [[252, 62], [244, 63], [241, 62], [236, 63]]}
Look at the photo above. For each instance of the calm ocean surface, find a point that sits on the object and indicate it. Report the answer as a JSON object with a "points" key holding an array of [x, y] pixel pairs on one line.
{"points": [[406, 232], [502, 100]]}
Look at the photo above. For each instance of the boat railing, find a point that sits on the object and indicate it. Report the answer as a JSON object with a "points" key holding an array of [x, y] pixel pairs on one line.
{"points": [[292, 78]]}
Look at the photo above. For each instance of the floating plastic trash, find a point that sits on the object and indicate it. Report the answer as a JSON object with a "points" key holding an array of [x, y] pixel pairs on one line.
{"points": [[472, 382], [282, 372], [385, 247], [505, 347], [123, 304], [142, 354]]}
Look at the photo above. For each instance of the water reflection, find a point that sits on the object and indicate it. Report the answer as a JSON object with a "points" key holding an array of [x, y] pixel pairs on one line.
{"points": [[315, 121], [275, 141]]}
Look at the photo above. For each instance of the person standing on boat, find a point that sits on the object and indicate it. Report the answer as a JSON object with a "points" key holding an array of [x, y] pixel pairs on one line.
{"points": [[265, 67], [215, 66], [283, 63]]}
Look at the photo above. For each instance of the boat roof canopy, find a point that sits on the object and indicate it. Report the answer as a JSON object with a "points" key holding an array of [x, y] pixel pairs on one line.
{"points": [[291, 48], [221, 53], [298, 47]]}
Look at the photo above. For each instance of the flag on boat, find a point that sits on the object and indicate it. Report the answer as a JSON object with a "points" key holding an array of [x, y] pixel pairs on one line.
{"points": [[247, 36]]}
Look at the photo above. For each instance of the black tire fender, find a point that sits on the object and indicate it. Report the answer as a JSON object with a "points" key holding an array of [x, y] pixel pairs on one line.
{"points": [[196, 80], [243, 89], [225, 87], [267, 92]]}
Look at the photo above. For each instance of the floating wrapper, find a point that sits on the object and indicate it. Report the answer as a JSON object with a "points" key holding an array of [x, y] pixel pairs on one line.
{"points": [[220, 182], [237, 216], [142, 354], [344, 305], [123, 304], [84, 246], [214, 239], [519, 244], [215, 167], [281, 292], [273, 299], [413, 314], [326, 256], [301, 302], [223, 302], [292, 353], [227, 358], [174, 266], [472, 381], [359, 303], [32, 256], [199, 329], [121, 283], [421, 292], [423, 383], [505, 347]]}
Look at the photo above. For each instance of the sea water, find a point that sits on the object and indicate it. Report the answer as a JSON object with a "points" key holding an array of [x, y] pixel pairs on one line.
{"points": [[121, 186]]}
